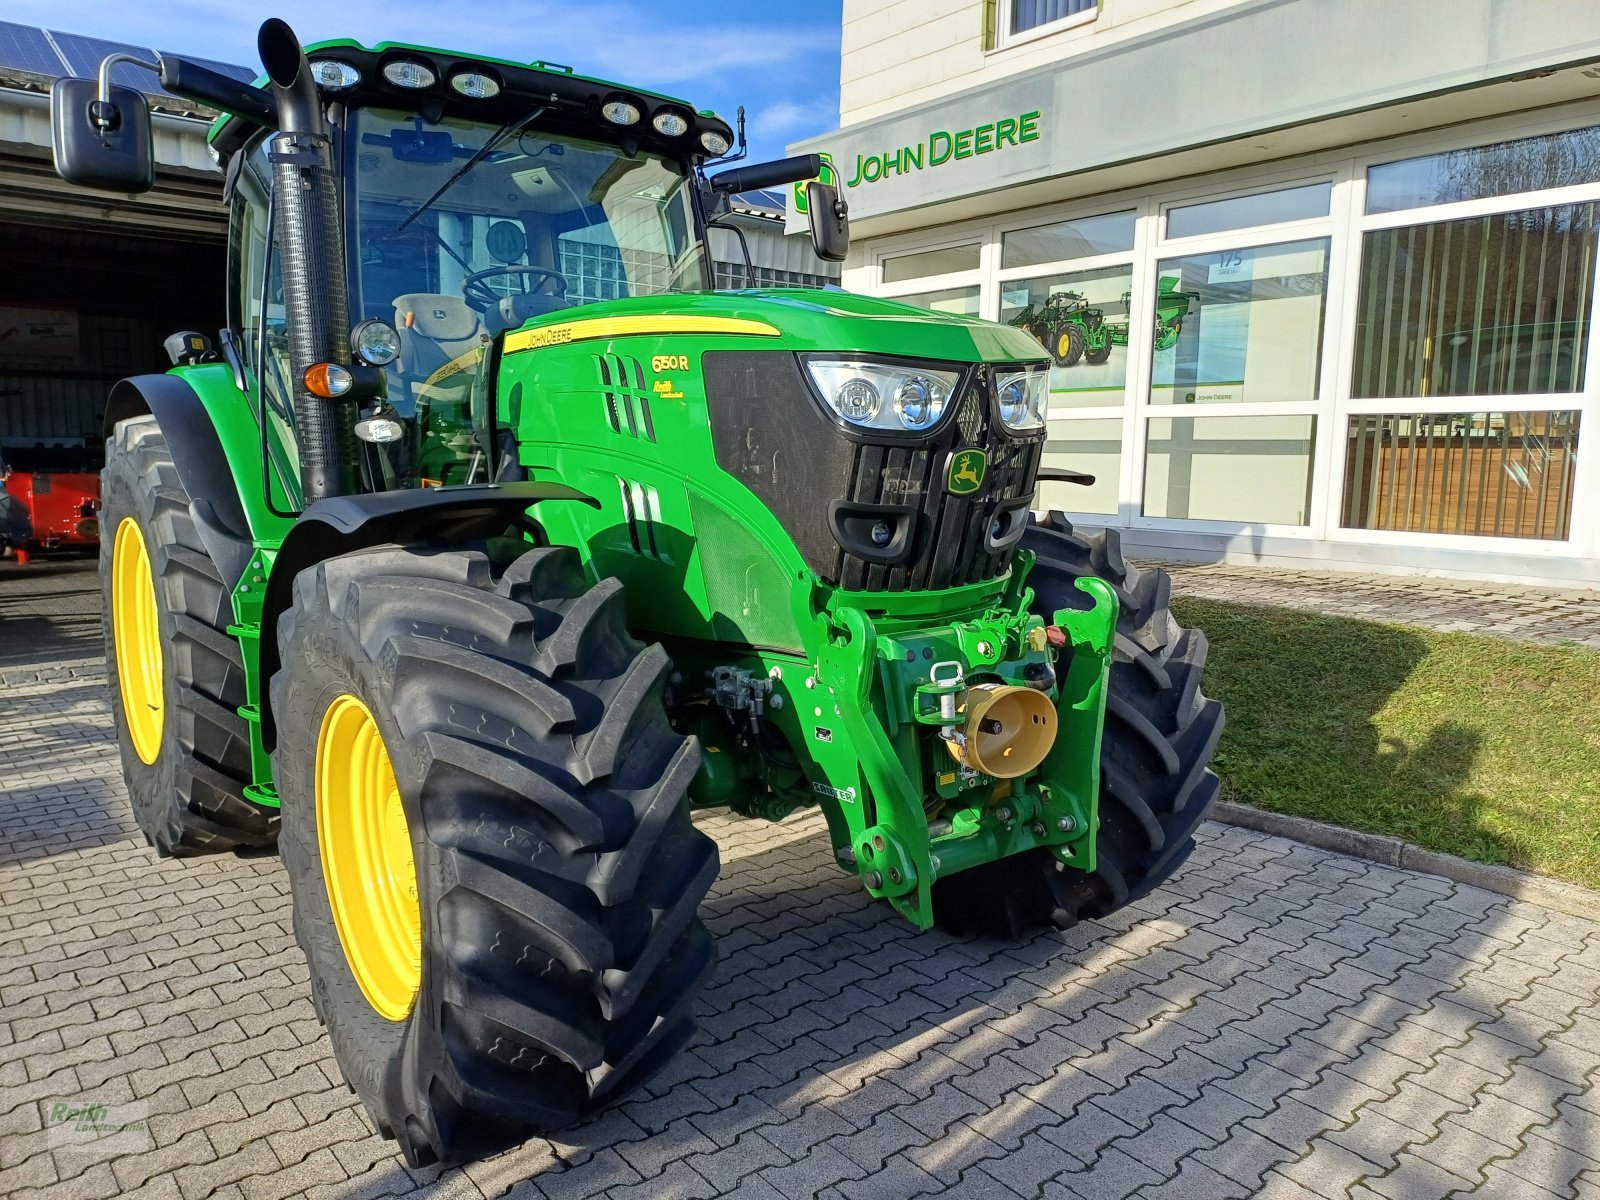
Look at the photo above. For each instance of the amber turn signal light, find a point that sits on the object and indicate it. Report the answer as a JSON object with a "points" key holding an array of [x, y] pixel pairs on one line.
{"points": [[328, 380]]}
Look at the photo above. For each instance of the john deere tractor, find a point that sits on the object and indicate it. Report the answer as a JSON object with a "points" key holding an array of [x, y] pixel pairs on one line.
{"points": [[1068, 328], [488, 541]]}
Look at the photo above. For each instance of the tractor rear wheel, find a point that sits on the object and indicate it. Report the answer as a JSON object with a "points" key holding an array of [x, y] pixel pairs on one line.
{"points": [[176, 675], [1069, 343], [486, 829], [1160, 733]]}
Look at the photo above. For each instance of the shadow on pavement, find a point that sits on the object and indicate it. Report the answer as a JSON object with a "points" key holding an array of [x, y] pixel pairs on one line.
{"points": [[49, 611], [1275, 1010]]}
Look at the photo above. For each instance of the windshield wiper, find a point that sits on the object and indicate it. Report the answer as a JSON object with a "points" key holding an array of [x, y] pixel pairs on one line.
{"points": [[484, 151]]}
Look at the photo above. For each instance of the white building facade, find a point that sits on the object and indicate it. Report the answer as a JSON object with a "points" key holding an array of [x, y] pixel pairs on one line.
{"points": [[1319, 279]]}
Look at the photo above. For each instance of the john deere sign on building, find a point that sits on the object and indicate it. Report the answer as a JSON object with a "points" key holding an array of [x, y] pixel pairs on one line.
{"points": [[1317, 280], [943, 146]]}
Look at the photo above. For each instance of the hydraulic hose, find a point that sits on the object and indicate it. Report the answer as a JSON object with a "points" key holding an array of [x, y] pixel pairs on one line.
{"points": [[311, 249]]}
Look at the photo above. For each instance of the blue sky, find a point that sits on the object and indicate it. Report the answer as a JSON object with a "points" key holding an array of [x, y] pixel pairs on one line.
{"points": [[781, 61]]}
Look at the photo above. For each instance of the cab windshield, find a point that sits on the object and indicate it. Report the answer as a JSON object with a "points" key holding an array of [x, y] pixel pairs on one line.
{"points": [[461, 230]]}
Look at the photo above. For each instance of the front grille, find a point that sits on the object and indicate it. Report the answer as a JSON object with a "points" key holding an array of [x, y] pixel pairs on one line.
{"points": [[770, 434], [949, 546]]}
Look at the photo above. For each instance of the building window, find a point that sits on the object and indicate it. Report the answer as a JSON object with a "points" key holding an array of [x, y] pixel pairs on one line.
{"points": [[731, 275], [1046, 16], [1094, 446], [962, 301], [1489, 474], [1485, 306], [1241, 326], [1246, 212], [1080, 319], [1248, 469], [1084, 237], [946, 260], [1479, 172]]}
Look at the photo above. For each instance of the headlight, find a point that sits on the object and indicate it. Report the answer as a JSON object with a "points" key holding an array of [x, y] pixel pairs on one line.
{"points": [[714, 142], [408, 73], [375, 342], [334, 76], [619, 110], [884, 395], [1023, 397], [475, 84], [670, 124]]}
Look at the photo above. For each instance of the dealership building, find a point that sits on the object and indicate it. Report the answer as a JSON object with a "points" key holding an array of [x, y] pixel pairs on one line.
{"points": [[1318, 279]]}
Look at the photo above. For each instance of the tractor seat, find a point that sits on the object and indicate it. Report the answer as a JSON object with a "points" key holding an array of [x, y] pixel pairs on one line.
{"points": [[434, 330], [515, 311]]}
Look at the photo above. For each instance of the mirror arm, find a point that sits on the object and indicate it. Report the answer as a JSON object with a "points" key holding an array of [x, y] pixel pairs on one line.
{"points": [[724, 220], [772, 174], [104, 112]]}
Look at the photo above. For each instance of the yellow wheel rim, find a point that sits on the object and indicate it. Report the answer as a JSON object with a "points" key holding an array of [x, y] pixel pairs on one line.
{"points": [[1064, 345], [366, 859], [136, 635]]}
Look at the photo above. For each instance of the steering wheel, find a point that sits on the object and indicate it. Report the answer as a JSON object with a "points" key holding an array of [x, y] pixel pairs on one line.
{"points": [[481, 298]]}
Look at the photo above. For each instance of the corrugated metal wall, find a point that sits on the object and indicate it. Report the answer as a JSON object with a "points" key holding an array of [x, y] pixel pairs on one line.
{"points": [[114, 296], [50, 401]]}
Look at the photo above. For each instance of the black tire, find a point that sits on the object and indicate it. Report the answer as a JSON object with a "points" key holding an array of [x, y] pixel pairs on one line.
{"points": [[1160, 734], [558, 874], [190, 800], [1068, 343], [1097, 357]]}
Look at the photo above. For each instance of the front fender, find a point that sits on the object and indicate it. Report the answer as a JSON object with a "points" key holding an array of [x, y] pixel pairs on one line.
{"points": [[339, 525]]}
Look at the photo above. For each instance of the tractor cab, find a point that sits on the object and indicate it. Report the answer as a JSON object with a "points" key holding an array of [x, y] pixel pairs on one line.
{"points": [[441, 201]]}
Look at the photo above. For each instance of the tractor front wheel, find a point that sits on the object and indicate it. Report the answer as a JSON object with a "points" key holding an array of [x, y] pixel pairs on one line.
{"points": [[176, 674], [1160, 733], [494, 875]]}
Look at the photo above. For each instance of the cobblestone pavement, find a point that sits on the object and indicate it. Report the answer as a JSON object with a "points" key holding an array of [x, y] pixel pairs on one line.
{"points": [[1528, 614], [1278, 1021], [49, 610]]}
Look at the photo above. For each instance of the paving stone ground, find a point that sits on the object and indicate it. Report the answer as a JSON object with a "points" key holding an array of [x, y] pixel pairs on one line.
{"points": [[1531, 614], [49, 611], [1278, 1021]]}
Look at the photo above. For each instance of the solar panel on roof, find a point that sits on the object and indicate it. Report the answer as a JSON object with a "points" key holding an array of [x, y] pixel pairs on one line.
{"points": [[83, 55], [24, 48]]}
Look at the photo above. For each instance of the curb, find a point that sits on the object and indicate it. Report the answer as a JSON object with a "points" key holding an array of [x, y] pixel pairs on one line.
{"points": [[1568, 898], [66, 670]]}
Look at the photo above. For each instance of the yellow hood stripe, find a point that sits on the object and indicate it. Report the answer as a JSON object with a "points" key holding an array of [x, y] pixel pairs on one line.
{"points": [[610, 327]]}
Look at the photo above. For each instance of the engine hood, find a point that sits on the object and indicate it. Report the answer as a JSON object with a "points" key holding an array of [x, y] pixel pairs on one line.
{"points": [[808, 320]]}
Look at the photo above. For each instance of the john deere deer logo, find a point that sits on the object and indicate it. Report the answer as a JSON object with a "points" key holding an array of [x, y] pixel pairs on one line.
{"points": [[967, 469]]}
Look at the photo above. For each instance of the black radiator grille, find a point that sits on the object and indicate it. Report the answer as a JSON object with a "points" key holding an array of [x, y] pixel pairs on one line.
{"points": [[949, 547], [772, 435]]}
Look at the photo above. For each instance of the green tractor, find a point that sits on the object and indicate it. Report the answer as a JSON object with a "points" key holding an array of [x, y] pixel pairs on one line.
{"points": [[1070, 330], [489, 541]]}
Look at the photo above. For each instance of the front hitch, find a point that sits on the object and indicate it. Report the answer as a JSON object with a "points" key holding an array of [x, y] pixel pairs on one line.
{"points": [[885, 696]]}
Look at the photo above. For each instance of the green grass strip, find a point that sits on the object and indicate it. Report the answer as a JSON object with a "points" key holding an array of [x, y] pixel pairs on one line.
{"points": [[1471, 745]]}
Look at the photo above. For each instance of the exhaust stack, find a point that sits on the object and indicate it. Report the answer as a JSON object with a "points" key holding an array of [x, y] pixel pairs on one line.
{"points": [[311, 249]]}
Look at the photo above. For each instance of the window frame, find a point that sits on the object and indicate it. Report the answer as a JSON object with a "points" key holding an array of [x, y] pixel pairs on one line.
{"points": [[1006, 36]]}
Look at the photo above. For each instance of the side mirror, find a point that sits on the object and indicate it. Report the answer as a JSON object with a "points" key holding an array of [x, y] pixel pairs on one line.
{"points": [[830, 221], [101, 145]]}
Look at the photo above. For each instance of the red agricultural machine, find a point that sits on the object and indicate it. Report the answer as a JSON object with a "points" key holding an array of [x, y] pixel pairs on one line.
{"points": [[49, 500]]}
